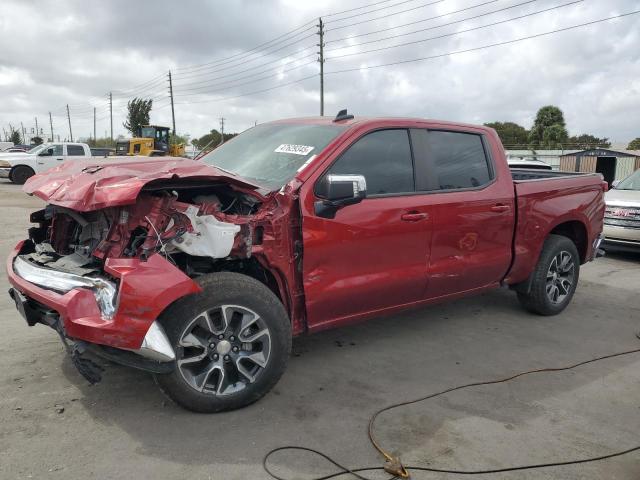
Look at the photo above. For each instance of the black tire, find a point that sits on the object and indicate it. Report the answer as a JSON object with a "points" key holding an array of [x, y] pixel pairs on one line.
{"points": [[232, 289], [538, 299], [21, 174]]}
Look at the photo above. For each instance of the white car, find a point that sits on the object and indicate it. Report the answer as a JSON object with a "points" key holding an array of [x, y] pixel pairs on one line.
{"points": [[19, 167], [527, 163]]}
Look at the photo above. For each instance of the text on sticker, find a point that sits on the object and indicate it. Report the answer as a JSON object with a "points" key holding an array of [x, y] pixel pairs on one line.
{"points": [[295, 149]]}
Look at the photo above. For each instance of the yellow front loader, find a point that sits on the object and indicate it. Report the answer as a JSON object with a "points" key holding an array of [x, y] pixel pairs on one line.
{"points": [[152, 141]]}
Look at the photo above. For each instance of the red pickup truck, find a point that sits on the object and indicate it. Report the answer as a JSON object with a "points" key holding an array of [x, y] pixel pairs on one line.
{"points": [[202, 271]]}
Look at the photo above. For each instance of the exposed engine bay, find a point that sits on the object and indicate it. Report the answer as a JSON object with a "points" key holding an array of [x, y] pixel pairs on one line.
{"points": [[190, 226]]}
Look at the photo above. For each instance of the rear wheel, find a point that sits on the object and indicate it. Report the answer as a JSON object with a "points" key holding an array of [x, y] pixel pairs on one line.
{"points": [[232, 344], [555, 277], [21, 174]]}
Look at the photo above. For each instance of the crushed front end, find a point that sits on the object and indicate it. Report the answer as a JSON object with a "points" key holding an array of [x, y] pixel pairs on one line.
{"points": [[102, 278]]}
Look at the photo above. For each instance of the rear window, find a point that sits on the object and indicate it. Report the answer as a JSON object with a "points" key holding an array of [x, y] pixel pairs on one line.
{"points": [[450, 160], [75, 150]]}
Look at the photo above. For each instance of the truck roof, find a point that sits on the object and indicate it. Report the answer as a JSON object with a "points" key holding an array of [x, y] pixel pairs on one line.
{"points": [[364, 120]]}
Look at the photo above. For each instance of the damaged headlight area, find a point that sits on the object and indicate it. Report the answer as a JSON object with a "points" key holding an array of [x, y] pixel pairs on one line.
{"points": [[104, 290]]}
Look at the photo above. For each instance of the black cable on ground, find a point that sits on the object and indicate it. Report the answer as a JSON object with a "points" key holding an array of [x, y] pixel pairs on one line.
{"points": [[397, 470]]}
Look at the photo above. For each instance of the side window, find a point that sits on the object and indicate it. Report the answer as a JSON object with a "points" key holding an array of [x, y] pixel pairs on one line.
{"points": [[450, 160], [57, 149], [75, 150], [384, 158]]}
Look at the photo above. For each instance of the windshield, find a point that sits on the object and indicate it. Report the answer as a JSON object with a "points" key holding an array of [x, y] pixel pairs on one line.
{"points": [[38, 149], [272, 153], [632, 182], [148, 132]]}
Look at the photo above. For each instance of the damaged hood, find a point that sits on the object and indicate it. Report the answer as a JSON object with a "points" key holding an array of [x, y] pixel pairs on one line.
{"points": [[91, 185]]}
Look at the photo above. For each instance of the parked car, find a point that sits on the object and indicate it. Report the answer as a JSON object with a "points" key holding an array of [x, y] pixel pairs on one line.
{"points": [[4, 146], [622, 216], [527, 163], [202, 271], [19, 167]]}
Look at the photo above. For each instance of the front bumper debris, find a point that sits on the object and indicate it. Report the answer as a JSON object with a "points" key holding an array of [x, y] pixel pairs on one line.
{"points": [[139, 292]]}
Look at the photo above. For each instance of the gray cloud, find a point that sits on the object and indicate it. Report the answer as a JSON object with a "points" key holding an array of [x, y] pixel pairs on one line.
{"points": [[73, 51]]}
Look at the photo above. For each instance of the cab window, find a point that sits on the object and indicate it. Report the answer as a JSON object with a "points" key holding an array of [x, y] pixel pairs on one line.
{"points": [[447, 160], [384, 159]]}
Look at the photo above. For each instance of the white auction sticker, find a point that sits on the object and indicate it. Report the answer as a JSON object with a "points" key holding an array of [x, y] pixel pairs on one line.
{"points": [[295, 149]]}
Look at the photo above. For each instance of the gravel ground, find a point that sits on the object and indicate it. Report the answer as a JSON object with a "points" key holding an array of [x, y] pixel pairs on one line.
{"points": [[54, 425]]}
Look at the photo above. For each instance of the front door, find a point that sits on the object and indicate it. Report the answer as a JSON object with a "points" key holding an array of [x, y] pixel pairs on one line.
{"points": [[372, 255], [51, 157]]}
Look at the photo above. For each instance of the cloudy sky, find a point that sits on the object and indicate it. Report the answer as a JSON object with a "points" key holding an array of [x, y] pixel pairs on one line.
{"points": [[253, 61]]}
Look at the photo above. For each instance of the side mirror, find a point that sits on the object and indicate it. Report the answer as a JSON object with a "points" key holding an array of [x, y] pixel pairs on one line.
{"points": [[337, 191], [615, 183]]}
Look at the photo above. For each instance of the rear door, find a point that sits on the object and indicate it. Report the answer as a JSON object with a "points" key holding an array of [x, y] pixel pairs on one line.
{"points": [[473, 210], [373, 255]]}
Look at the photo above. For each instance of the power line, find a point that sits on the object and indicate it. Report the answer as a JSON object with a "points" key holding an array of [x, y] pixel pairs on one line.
{"points": [[350, 37], [241, 61], [448, 34], [253, 51], [384, 8], [249, 93], [382, 16], [255, 66], [232, 85], [364, 6], [483, 47]]}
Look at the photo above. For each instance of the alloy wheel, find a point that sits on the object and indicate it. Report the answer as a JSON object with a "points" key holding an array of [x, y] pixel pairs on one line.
{"points": [[560, 277], [223, 350]]}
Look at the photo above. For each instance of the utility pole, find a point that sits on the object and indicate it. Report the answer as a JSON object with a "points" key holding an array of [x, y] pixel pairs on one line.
{"points": [[321, 60], [173, 113], [5, 134], [23, 134], [37, 131], [94, 125], [221, 131], [111, 114], [69, 118], [51, 125]]}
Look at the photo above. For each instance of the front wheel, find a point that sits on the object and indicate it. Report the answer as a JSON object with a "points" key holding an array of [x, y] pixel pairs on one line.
{"points": [[232, 344], [555, 277], [21, 174]]}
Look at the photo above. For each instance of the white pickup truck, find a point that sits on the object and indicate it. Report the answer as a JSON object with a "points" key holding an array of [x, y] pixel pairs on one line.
{"points": [[19, 167]]}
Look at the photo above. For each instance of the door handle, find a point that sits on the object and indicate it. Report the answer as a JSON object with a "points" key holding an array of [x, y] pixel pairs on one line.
{"points": [[60, 159], [500, 208], [413, 216]]}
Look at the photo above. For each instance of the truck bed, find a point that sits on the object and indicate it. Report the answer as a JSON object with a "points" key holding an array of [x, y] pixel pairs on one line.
{"points": [[524, 174], [547, 200]]}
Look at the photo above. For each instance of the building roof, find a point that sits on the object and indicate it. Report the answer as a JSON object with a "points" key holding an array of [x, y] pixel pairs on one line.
{"points": [[602, 152]]}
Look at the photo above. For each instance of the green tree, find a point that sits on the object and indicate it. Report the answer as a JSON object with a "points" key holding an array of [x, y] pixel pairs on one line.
{"points": [[634, 144], [510, 133], [548, 116], [586, 140], [211, 139], [138, 114], [37, 140], [554, 136], [98, 142], [178, 139], [15, 137]]}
